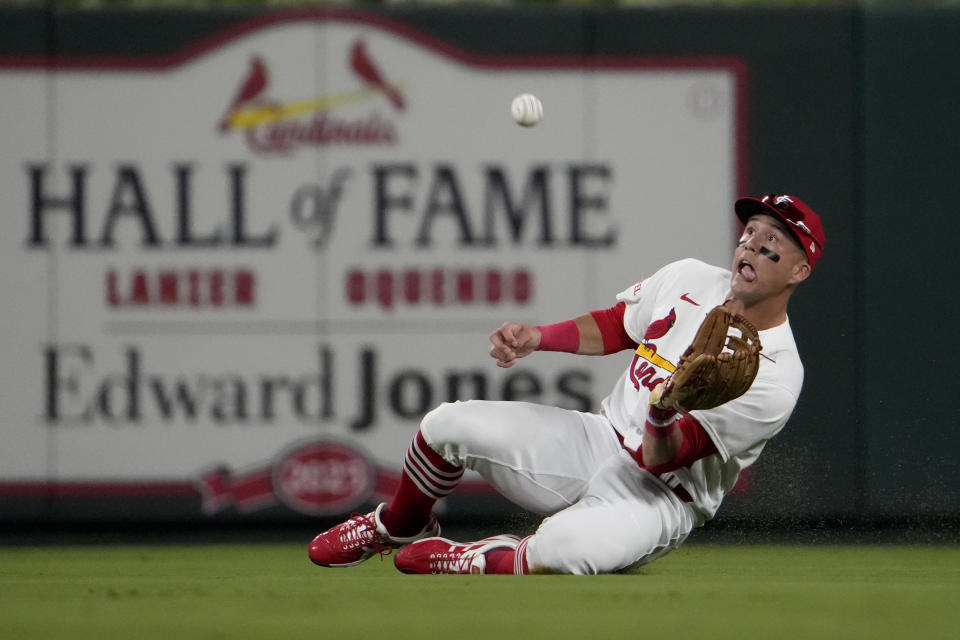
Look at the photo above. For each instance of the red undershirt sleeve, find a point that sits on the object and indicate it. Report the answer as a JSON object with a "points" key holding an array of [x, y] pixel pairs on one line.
{"points": [[696, 444], [610, 322]]}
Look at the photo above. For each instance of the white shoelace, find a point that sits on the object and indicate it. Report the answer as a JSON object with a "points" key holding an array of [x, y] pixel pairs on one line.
{"points": [[451, 562], [358, 532]]}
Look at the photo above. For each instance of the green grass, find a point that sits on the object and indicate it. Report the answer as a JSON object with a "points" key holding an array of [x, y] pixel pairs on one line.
{"points": [[272, 591]]}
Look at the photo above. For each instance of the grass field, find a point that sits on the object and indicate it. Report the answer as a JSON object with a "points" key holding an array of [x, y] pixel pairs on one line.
{"points": [[272, 591]]}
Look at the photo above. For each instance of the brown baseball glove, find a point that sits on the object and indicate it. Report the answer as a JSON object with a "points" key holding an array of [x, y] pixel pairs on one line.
{"points": [[717, 367]]}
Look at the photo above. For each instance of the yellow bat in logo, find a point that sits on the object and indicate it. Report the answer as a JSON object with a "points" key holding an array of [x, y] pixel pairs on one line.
{"points": [[251, 117], [650, 355]]}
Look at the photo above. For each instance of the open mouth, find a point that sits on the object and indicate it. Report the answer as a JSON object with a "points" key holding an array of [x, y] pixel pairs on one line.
{"points": [[746, 271]]}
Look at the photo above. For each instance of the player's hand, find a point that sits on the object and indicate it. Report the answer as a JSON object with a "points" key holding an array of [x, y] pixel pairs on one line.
{"points": [[513, 340]]}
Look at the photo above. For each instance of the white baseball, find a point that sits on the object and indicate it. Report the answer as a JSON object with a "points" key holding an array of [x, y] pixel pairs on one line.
{"points": [[527, 110]]}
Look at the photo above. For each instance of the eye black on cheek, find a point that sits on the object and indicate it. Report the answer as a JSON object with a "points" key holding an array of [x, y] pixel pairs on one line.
{"points": [[773, 255]]}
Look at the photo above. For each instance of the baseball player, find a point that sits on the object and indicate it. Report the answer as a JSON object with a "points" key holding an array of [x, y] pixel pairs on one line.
{"points": [[626, 485]]}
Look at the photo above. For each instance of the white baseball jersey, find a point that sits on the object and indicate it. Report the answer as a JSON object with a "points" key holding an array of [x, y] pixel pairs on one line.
{"points": [[605, 511], [663, 314]]}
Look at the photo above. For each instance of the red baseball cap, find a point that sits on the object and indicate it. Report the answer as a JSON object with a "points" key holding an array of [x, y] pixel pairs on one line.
{"points": [[802, 221]]}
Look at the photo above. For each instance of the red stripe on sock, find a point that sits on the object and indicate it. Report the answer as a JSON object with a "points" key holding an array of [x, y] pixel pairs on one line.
{"points": [[500, 561], [423, 466], [433, 457], [421, 461], [520, 566], [508, 561], [426, 482], [409, 510], [431, 480]]}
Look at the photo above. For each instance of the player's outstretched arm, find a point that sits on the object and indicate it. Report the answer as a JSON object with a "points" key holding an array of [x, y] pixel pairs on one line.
{"points": [[591, 340], [515, 340]]}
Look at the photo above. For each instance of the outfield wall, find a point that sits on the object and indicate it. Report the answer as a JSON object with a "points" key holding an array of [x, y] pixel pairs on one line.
{"points": [[244, 252]]}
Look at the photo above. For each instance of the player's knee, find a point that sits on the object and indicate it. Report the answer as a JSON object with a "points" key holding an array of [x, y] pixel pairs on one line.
{"points": [[576, 546], [436, 424], [451, 422], [559, 552], [464, 431]]}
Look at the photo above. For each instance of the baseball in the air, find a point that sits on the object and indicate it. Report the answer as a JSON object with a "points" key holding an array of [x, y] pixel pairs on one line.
{"points": [[527, 110]]}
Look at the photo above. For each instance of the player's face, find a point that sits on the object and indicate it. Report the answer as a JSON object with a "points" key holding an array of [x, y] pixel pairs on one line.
{"points": [[767, 260]]}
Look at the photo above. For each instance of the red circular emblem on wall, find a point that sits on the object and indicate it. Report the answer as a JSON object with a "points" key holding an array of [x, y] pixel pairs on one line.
{"points": [[324, 478]]}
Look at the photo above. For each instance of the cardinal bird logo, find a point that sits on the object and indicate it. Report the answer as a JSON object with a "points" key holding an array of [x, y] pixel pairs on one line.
{"points": [[251, 87], [276, 125], [659, 328], [367, 71], [641, 371]]}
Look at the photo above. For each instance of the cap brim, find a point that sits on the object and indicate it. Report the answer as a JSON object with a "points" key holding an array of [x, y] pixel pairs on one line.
{"points": [[747, 207]]}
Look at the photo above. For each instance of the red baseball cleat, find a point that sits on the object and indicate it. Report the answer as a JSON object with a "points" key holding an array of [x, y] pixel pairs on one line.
{"points": [[350, 543], [439, 555]]}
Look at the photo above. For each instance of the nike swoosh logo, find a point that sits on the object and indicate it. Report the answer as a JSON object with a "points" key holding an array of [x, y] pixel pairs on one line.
{"points": [[686, 299]]}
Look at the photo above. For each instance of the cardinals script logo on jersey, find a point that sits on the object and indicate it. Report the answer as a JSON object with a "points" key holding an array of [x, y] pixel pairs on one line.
{"points": [[647, 364]]}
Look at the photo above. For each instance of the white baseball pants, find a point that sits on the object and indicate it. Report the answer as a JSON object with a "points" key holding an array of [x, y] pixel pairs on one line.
{"points": [[606, 513]]}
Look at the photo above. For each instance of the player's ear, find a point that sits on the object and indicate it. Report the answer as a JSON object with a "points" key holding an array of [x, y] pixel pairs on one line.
{"points": [[801, 271]]}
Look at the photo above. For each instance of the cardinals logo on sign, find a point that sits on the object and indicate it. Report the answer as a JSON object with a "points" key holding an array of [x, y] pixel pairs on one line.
{"points": [[273, 126]]}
